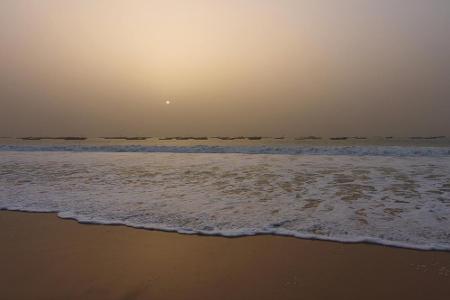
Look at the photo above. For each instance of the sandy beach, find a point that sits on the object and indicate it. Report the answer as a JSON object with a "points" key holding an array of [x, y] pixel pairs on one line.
{"points": [[45, 257]]}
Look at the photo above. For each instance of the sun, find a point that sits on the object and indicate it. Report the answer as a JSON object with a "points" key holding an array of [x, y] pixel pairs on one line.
{"points": [[167, 102]]}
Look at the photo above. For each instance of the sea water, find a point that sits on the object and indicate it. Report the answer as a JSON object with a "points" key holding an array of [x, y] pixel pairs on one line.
{"points": [[387, 191]]}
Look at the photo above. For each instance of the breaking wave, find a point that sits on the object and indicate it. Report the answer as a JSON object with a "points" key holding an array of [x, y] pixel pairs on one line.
{"points": [[282, 150]]}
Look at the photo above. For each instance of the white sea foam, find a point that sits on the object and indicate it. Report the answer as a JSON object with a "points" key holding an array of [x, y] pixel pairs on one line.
{"points": [[400, 201]]}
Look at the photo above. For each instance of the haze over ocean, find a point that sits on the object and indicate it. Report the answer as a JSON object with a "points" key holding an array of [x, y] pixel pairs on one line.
{"points": [[257, 67]]}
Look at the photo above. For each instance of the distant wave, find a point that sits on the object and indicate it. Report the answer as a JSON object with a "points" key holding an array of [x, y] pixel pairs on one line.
{"points": [[287, 150]]}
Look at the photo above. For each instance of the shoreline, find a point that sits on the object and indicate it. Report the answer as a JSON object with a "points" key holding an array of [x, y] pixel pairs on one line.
{"points": [[360, 240], [46, 257]]}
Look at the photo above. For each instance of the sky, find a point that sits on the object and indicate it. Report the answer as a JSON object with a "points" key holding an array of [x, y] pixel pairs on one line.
{"points": [[253, 67]]}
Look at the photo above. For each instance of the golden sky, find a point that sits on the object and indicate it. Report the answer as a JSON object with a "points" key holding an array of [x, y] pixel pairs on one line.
{"points": [[284, 67]]}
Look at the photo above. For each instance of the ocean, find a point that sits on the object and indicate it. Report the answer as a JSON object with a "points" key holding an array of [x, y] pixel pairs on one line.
{"points": [[390, 191]]}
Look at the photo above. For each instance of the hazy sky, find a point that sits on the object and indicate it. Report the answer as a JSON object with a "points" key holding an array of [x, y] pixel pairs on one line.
{"points": [[229, 67]]}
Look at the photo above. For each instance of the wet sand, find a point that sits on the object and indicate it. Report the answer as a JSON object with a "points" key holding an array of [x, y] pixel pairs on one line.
{"points": [[44, 257]]}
